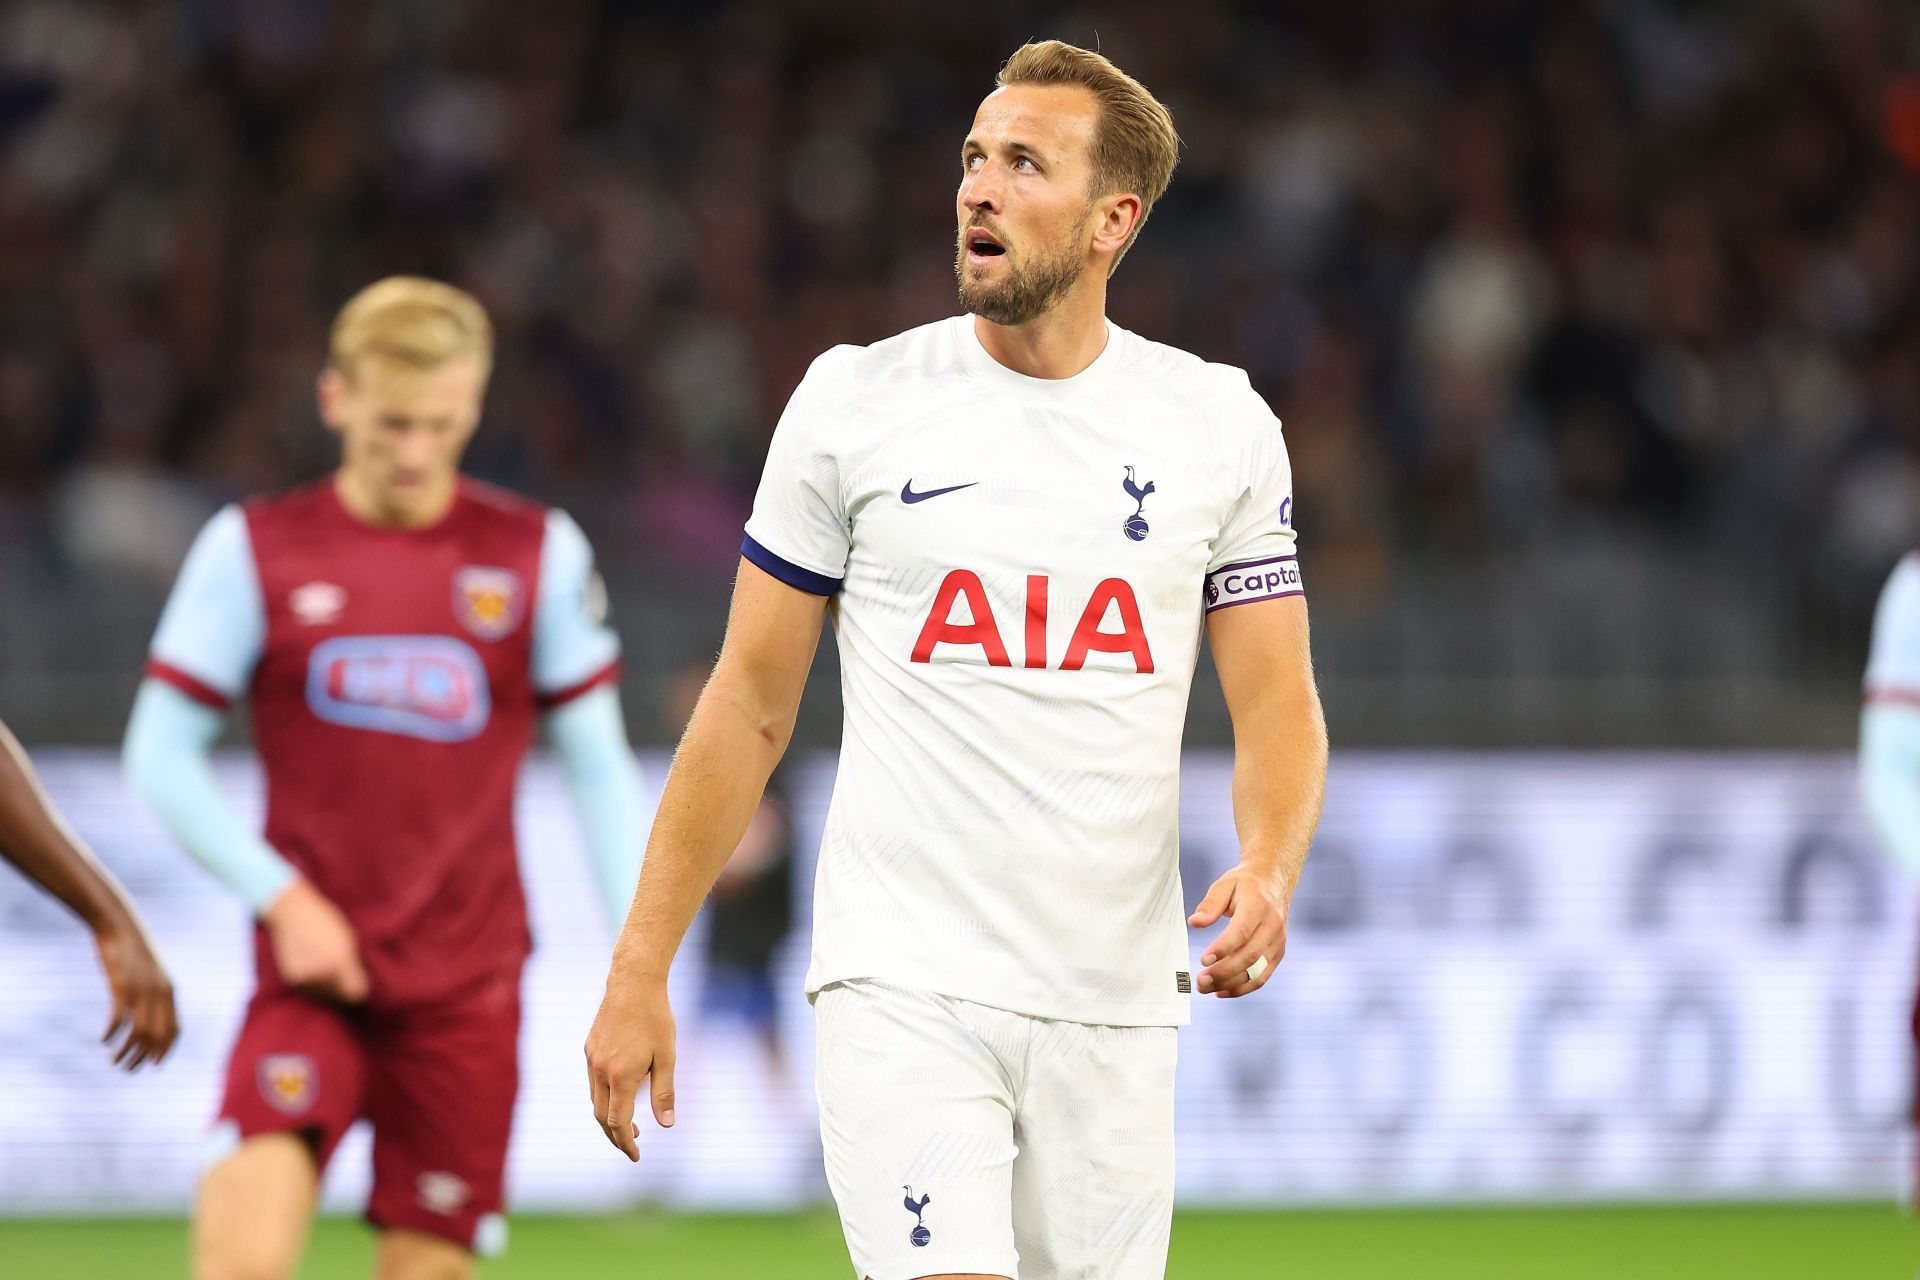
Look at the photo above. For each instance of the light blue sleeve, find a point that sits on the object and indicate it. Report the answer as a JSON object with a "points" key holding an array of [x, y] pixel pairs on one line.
{"points": [[572, 643], [591, 738], [1890, 723], [215, 623], [167, 762], [1890, 779], [1893, 665]]}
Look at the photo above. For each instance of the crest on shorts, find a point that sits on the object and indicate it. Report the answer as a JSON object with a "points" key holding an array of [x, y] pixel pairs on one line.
{"points": [[490, 601], [442, 1193], [920, 1236], [288, 1081]]}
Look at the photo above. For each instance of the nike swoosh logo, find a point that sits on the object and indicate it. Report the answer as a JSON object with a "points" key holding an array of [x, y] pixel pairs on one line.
{"points": [[907, 495]]}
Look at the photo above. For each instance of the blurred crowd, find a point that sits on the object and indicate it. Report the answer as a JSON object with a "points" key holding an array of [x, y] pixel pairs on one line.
{"points": [[1518, 274]]}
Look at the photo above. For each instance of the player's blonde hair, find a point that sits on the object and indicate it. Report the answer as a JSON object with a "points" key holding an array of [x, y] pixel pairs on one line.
{"points": [[409, 322], [1135, 147]]}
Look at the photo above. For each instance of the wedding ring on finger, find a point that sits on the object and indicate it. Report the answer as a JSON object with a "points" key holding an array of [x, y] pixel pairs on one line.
{"points": [[1257, 968]]}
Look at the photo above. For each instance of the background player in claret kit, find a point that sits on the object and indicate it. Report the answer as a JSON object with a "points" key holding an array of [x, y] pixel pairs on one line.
{"points": [[1026, 517], [1890, 718], [397, 630], [34, 839], [1890, 730]]}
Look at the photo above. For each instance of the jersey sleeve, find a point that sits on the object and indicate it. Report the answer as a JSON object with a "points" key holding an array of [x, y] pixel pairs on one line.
{"points": [[214, 624], [574, 649], [1253, 556], [1893, 664], [799, 531]]}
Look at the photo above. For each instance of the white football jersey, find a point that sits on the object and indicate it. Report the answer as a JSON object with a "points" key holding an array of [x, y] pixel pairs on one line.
{"points": [[1019, 570]]}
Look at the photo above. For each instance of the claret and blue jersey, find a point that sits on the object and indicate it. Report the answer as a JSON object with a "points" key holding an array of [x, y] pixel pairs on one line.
{"points": [[1021, 569], [1890, 719], [394, 678]]}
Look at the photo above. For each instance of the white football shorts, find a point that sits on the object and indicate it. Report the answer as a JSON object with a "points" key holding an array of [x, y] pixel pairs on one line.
{"points": [[963, 1138]]}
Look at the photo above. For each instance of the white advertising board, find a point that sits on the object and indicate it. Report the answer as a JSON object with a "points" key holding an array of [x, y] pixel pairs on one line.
{"points": [[1544, 977]]}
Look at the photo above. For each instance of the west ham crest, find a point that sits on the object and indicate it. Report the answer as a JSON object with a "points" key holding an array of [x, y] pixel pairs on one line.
{"points": [[287, 1082], [490, 601]]}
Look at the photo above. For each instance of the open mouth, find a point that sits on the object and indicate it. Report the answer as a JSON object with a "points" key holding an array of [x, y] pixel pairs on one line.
{"points": [[982, 247]]}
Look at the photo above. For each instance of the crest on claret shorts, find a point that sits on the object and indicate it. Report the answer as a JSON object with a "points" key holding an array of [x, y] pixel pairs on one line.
{"points": [[490, 601], [287, 1081], [442, 1193]]}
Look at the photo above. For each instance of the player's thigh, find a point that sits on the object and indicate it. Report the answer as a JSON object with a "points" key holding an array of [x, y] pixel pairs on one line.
{"points": [[411, 1255], [294, 1086], [916, 1124], [1093, 1181], [298, 1066], [254, 1208], [440, 1096]]}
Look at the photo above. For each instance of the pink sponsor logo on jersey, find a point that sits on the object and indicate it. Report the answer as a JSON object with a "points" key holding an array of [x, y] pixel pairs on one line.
{"points": [[430, 687]]}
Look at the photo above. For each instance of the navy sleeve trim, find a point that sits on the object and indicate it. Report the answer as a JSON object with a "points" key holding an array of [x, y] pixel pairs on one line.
{"points": [[793, 575]]}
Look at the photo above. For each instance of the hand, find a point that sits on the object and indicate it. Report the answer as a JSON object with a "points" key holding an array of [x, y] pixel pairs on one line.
{"points": [[314, 946], [631, 1039], [1258, 907], [142, 996]]}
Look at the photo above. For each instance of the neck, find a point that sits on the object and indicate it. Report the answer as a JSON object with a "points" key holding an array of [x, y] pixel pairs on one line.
{"points": [[1063, 341], [363, 503]]}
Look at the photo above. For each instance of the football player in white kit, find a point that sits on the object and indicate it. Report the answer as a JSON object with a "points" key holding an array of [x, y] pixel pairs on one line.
{"points": [[1021, 520]]}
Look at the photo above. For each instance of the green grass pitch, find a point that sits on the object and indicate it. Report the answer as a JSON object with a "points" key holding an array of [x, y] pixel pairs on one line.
{"points": [[1737, 1242]]}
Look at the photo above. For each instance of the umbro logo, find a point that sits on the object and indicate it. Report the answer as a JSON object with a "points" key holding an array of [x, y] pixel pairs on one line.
{"points": [[317, 603], [907, 495]]}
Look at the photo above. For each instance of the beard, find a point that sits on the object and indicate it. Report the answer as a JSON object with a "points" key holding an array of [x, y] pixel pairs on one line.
{"points": [[1028, 291]]}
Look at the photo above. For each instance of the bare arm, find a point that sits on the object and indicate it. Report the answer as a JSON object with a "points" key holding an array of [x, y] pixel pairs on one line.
{"points": [[34, 839], [1279, 779], [739, 731]]}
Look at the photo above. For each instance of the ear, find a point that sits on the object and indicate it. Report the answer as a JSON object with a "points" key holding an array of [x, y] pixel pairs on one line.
{"points": [[330, 389], [1114, 218]]}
